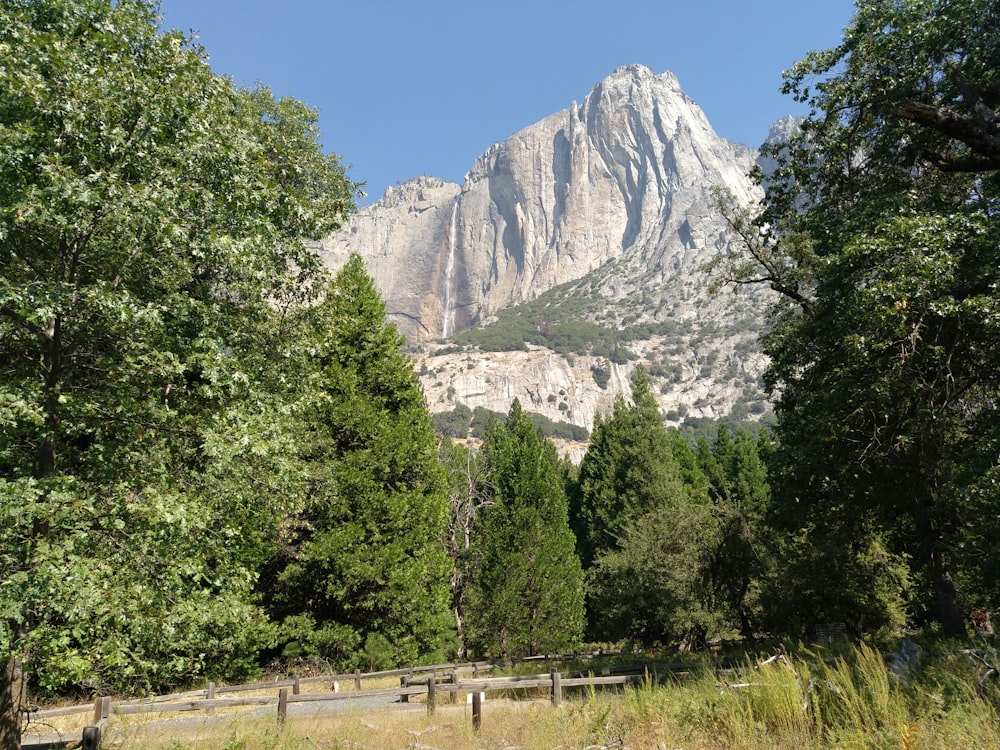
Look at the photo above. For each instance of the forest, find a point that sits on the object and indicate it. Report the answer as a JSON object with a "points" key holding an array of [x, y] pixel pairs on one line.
{"points": [[213, 453]]}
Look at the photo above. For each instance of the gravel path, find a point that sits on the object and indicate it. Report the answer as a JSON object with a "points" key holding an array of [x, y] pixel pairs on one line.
{"points": [[38, 736]]}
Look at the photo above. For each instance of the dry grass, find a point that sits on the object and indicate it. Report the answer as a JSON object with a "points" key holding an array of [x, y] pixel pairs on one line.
{"points": [[524, 725], [800, 703]]}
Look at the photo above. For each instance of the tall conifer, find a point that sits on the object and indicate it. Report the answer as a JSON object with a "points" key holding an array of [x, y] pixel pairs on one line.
{"points": [[365, 563], [645, 527], [526, 595]]}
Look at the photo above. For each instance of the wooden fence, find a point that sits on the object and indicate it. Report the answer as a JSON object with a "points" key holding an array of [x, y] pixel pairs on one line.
{"points": [[428, 681]]}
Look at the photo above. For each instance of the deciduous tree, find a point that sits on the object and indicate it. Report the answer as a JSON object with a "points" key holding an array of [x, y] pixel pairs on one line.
{"points": [[152, 219], [469, 493], [883, 214]]}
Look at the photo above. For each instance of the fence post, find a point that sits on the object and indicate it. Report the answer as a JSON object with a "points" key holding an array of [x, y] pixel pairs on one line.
{"points": [[210, 695], [477, 711], [295, 685], [91, 739], [556, 688], [357, 679], [431, 697], [454, 684], [282, 706], [404, 681]]}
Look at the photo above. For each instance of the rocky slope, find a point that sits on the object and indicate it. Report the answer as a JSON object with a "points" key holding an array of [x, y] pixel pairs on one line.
{"points": [[601, 213]]}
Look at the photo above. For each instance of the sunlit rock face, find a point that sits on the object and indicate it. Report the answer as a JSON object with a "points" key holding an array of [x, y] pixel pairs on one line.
{"points": [[615, 193], [626, 174]]}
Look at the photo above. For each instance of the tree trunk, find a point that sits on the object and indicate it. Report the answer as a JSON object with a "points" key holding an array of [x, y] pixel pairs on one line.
{"points": [[460, 632], [949, 611], [11, 689], [746, 628], [52, 369]]}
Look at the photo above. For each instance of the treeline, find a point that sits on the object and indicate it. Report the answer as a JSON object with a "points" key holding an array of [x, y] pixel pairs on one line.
{"points": [[648, 542], [211, 453], [463, 422]]}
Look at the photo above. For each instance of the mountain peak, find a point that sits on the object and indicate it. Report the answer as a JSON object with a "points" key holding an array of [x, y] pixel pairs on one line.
{"points": [[605, 208], [639, 72], [783, 129], [626, 175], [640, 76]]}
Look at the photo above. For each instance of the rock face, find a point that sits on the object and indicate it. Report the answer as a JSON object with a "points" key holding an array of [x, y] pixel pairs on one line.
{"points": [[565, 389], [404, 239], [615, 194], [627, 174]]}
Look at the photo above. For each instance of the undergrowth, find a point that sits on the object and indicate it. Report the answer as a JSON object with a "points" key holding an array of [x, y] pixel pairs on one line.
{"points": [[808, 699]]}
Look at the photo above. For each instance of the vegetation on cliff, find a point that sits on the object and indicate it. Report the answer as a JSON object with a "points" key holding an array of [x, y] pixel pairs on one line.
{"points": [[211, 453]]}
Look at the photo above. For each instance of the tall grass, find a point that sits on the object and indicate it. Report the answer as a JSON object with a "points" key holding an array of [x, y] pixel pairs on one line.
{"points": [[806, 701]]}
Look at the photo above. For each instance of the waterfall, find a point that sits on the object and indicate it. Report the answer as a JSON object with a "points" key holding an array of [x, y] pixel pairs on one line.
{"points": [[449, 305]]}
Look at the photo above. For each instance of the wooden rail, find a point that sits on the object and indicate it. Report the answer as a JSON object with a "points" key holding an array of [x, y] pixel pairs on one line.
{"points": [[415, 681]]}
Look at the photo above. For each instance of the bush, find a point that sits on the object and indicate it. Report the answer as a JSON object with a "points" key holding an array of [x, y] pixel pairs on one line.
{"points": [[601, 375], [454, 423]]}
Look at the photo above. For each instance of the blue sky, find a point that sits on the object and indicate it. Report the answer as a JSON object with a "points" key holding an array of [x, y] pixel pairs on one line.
{"points": [[411, 88]]}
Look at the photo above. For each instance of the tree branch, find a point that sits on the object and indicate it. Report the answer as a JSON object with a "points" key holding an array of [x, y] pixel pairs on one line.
{"points": [[979, 135], [21, 321]]}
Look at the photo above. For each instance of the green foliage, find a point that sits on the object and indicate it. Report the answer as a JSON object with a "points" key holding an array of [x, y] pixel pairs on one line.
{"points": [[107, 612], [367, 544], [454, 423], [741, 561], [153, 221], [879, 228], [482, 421], [836, 573], [562, 319], [563, 430], [649, 588], [461, 422], [628, 469], [644, 527], [526, 593], [601, 374], [698, 429]]}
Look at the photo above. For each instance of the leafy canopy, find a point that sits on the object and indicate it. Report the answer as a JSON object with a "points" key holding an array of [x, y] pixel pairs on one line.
{"points": [[152, 227], [879, 227]]}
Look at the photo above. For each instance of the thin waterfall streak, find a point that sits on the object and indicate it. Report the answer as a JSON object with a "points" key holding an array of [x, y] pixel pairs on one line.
{"points": [[449, 310]]}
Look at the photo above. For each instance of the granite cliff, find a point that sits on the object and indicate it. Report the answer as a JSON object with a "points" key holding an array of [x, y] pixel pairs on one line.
{"points": [[599, 214]]}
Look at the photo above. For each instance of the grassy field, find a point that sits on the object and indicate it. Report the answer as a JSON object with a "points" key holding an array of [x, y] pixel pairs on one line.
{"points": [[853, 701]]}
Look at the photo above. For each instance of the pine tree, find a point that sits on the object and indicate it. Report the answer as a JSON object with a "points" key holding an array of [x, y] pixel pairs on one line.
{"points": [[646, 527], [628, 469], [365, 562], [526, 592]]}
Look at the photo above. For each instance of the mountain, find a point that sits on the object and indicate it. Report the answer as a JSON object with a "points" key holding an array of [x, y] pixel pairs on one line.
{"points": [[572, 252]]}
